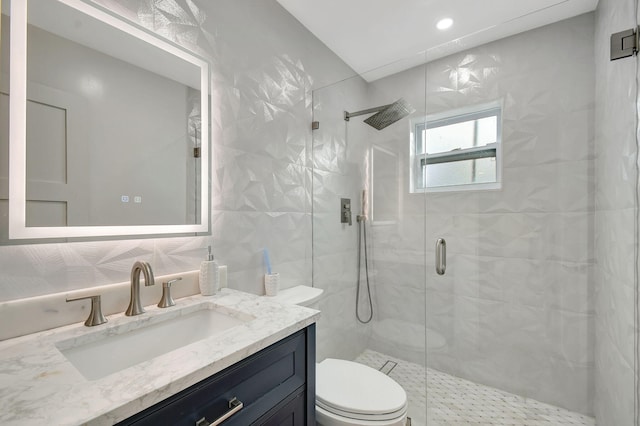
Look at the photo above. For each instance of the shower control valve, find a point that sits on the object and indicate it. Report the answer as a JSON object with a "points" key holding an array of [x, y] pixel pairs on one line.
{"points": [[345, 210]]}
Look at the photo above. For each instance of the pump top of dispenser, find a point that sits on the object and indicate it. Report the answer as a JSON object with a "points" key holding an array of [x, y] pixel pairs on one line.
{"points": [[210, 255]]}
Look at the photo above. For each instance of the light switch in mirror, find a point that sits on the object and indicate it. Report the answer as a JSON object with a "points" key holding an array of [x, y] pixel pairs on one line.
{"points": [[109, 129]]}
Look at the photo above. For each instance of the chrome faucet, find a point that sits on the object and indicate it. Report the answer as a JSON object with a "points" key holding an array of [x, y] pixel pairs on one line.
{"points": [[135, 307]]}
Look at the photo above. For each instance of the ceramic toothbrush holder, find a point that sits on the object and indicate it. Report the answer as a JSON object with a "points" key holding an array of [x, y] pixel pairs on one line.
{"points": [[271, 283]]}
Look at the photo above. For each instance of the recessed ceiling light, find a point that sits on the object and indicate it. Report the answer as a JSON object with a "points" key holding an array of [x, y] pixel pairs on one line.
{"points": [[444, 24]]}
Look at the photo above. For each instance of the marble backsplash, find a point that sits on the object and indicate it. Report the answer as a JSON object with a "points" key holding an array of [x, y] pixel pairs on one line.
{"points": [[34, 314]]}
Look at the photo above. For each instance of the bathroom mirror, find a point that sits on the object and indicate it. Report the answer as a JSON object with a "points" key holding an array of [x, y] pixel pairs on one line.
{"points": [[108, 126]]}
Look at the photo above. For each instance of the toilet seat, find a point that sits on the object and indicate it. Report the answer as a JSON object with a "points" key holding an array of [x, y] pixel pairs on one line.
{"points": [[326, 418], [362, 416], [355, 391]]}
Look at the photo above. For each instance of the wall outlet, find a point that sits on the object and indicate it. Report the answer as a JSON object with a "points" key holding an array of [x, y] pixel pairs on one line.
{"points": [[137, 199], [125, 198]]}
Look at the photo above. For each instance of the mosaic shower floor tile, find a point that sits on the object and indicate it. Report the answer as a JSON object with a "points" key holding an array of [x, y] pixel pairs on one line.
{"points": [[453, 401]]}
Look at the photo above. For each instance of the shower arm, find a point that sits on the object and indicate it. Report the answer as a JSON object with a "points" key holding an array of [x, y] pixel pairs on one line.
{"points": [[348, 115]]}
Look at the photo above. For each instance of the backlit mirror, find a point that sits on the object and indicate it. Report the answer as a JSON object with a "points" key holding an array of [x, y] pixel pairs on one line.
{"points": [[108, 126]]}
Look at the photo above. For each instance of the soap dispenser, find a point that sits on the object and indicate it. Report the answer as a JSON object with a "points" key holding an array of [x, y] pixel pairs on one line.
{"points": [[209, 275]]}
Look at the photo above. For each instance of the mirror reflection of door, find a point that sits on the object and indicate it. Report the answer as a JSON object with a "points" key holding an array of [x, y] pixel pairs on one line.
{"points": [[57, 176]]}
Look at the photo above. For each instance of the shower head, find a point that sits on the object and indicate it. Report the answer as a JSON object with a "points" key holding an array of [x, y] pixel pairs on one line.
{"points": [[390, 114], [385, 115]]}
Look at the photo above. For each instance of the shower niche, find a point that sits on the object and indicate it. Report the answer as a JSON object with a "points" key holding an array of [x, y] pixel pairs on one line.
{"points": [[385, 186]]}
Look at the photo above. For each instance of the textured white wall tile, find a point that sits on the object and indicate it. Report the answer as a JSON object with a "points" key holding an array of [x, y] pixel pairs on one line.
{"points": [[616, 315], [242, 237], [332, 236], [339, 333], [398, 275], [614, 244], [333, 271], [614, 381], [615, 218], [402, 303], [532, 188], [249, 181]]}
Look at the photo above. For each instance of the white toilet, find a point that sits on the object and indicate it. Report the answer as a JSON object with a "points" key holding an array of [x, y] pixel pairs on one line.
{"points": [[349, 393]]}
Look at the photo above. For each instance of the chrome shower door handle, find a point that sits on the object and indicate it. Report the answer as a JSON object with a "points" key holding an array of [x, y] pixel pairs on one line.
{"points": [[441, 256]]}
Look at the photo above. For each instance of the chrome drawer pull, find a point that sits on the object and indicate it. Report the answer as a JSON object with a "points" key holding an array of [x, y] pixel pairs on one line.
{"points": [[235, 405]]}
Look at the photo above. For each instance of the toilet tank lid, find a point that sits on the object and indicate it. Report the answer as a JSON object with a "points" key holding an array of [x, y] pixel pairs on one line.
{"points": [[299, 295]]}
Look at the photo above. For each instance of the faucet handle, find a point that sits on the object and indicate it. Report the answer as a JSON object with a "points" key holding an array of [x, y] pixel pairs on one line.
{"points": [[95, 316], [166, 300]]}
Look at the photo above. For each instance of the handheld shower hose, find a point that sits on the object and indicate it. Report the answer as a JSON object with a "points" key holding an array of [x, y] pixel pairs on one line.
{"points": [[362, 234]]}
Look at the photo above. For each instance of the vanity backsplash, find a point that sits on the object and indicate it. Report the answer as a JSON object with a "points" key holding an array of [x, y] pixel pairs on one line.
{"points": [[30, 315]]}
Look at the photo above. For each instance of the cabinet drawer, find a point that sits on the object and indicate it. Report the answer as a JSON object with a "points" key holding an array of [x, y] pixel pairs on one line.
{"points": [[259, 382], [291, 412]]}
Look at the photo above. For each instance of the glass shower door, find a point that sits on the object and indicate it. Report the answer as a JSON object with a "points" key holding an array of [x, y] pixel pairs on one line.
{"points": [[527, 156], [371, 262]]}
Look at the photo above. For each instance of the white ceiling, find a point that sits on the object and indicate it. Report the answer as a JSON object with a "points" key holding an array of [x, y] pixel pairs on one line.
{"points": [[381, 37]]}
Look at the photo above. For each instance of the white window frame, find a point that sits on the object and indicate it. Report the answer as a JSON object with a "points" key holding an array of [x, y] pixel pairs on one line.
{"points": [[452, 117]]}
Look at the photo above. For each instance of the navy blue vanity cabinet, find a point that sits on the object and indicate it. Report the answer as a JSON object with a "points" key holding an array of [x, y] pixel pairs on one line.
{"points": [[275, 386]]}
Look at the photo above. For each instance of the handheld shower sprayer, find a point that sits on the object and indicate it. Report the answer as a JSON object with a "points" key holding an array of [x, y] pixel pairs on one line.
{"points": [[362, 217]]}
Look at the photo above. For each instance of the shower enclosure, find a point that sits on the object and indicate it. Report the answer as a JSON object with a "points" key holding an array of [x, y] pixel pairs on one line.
{"points": [[521, 155]]}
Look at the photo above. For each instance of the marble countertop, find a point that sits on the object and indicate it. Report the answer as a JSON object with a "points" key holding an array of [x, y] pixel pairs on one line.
{"points": [[38, 385]]}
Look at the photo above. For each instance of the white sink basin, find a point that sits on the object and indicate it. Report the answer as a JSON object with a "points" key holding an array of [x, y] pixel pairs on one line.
{"points": [[117, 351]]}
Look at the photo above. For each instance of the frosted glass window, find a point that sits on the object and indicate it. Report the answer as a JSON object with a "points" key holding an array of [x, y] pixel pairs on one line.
{"points": [[487, 130], [482, 170], [448, 138], [457, 150]]}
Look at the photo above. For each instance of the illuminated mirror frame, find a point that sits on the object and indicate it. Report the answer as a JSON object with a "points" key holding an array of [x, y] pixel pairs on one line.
{"points": [[18, 132]]}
